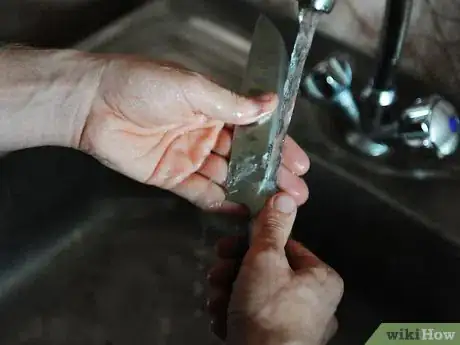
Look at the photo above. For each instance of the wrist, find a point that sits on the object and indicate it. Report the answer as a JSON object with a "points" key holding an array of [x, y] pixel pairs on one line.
{"points": [[268, 339], [45, 96], [249, 333], [246, 332]]}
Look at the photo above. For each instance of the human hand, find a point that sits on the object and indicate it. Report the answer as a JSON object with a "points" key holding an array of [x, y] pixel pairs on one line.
{"points": [[280, 293], [168, 127]]}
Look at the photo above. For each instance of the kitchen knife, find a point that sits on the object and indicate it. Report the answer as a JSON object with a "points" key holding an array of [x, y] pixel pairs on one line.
{"points": [[252, 170]]}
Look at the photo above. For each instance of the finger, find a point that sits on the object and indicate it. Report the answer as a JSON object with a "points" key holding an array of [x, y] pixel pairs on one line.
{"points": [[201, 191], [224, 143], [223, 273], [232, 247], [173, 64], [229, 207], [215, 168], [299, 257], [273, 225], [293, 185], [331, 329], [307, 264], [218, 103], [294, 157]]}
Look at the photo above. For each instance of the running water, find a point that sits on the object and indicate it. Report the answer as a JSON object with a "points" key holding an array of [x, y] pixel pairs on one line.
{"points": [[308, 22]]}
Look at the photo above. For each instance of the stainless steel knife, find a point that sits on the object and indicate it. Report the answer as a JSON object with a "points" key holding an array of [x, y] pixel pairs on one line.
{"points": [[252, 172], [257, 148]]}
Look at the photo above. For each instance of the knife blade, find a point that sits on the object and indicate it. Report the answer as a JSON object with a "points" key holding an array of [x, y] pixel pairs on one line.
{"points": [[252, 171]]}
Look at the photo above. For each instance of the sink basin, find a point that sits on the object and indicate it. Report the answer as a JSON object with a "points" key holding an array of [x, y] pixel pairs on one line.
{"points": [[89, 256], [54, 23]]}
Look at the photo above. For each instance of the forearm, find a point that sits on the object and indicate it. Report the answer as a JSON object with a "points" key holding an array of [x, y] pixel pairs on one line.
{"points": [[45, 96]]}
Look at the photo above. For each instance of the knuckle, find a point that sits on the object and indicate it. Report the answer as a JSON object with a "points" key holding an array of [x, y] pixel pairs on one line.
{"points": [[328, 278], [273, 230], [276, 222]]}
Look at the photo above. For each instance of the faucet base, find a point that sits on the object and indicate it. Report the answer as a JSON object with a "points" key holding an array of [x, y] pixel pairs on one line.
{"points": [[365, 145], [393, 158]]}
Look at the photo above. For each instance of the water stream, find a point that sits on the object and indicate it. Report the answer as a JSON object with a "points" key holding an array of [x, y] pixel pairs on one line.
{"points": [[308, 22]]}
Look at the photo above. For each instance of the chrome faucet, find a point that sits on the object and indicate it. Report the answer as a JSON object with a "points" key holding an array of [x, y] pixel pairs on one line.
{"points": [[376, 124]]}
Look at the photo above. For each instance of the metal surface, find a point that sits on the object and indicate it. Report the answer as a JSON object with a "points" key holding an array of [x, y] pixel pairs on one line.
{"points": [[362, 143], [393, 34], [381, 92], [330, 80], [431, 123], [249, 182], [380, 123], [255, 161], [372, 109], [55, 23], [325, 6]]}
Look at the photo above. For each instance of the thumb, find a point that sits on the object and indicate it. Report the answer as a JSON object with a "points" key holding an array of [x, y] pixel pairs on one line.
{"points": [[273, 225], [221, 104]]}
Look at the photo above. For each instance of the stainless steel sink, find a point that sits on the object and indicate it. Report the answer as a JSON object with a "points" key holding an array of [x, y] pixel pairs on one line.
{"points": [[89, 256], [55, 23]]}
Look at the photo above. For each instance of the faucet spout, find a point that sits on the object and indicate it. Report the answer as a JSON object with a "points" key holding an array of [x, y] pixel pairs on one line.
{"points": [[324, 6], [381, 92], [393, 34]]}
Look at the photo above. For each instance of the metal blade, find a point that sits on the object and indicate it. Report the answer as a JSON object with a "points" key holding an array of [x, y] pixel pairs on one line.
{"points": [[250, 180]]}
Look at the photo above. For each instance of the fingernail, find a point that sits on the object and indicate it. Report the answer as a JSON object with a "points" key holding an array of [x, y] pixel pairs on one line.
{"points": [[284, 204], [266, 97], [300, 168], [263, 105]]}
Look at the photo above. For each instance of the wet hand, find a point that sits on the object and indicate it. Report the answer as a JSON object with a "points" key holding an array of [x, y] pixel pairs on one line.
{"points": [[275, 292], [171, 128]]}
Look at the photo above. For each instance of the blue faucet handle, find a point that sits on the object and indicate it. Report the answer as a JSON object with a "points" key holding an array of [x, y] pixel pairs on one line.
{"points": [[431, 123]]}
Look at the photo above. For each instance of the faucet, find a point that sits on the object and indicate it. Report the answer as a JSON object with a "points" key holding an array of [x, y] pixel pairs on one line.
{"points": [[376, 123]]}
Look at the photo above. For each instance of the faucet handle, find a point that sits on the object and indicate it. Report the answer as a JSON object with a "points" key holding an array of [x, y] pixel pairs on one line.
{"points": [[325, 6], [431, 123], [329, 77], [330, 80]]}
